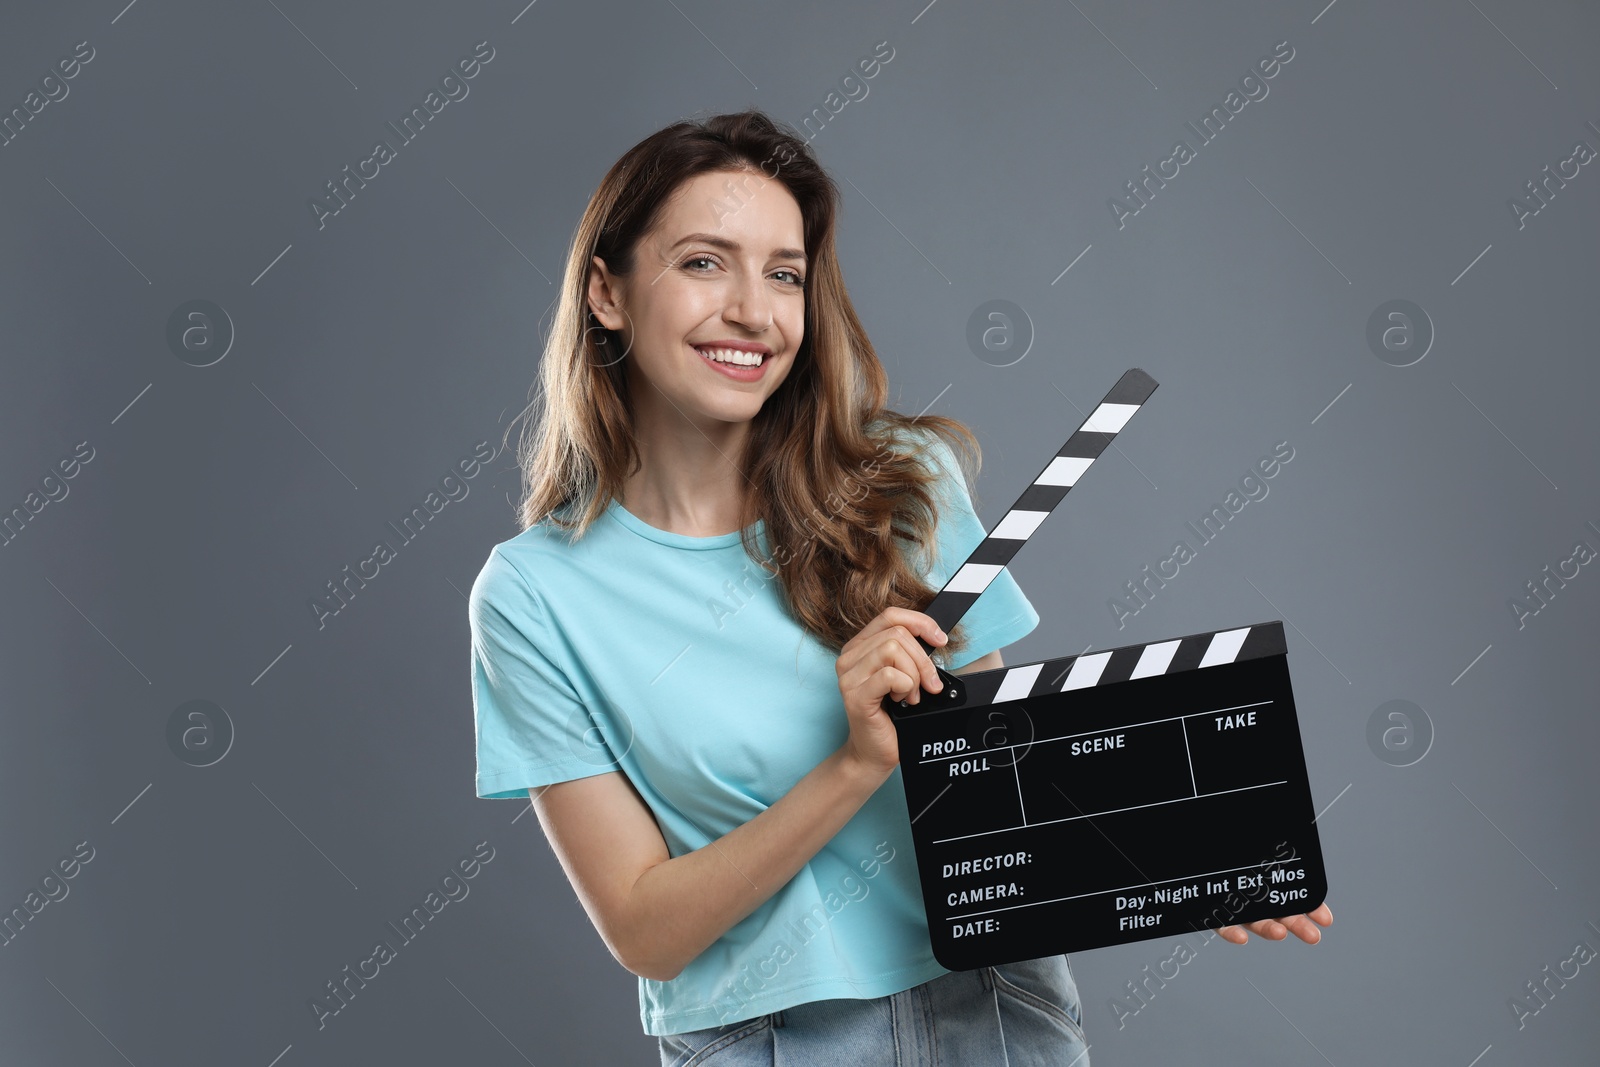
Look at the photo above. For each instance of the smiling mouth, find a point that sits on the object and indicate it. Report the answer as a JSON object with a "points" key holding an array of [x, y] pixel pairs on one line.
{"points": [[733, 356]]}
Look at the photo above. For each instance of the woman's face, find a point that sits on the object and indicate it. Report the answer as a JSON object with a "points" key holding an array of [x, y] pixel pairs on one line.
{"points": [[721, 270]]}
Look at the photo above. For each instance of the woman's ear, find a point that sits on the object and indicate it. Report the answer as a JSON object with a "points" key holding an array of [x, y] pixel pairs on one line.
{"points": [[605, 292]]}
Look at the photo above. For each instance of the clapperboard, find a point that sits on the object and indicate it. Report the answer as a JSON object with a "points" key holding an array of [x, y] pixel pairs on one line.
{"points": [[1106, 797]]}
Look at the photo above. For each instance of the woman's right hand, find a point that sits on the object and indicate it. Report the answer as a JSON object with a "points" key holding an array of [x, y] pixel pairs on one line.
{"points": [[884, 659]]}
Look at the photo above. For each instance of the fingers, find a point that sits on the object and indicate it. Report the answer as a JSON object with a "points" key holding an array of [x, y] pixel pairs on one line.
{"points": [[887, 668], [885, 643], [1270, 929], [902, 686], [1233, 934], [1302, 926], [905, 669], [920, 624], [1267, 928], [1305, 926], [920, 660]]}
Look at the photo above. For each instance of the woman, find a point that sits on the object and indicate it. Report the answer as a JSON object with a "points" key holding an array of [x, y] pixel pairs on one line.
{"points": [[682, 657]]}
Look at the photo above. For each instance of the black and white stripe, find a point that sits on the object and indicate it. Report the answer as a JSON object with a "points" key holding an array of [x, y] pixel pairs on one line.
{"points": [[1174, 656], [1063, 472]]}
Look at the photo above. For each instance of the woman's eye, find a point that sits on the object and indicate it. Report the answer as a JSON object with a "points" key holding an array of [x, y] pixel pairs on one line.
{"points": [[794, 278]]}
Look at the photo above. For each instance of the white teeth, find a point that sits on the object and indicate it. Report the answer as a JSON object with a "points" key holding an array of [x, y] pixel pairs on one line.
{"points": [[731, 355]]}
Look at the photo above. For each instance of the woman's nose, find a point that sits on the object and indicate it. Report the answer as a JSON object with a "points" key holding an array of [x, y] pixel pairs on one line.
{"points": [[750, 305]]}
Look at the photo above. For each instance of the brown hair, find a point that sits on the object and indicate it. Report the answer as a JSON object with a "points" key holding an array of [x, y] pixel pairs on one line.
{"points": [[823, 475]]}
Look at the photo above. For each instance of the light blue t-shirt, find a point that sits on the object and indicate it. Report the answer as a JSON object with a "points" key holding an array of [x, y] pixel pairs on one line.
{"points": [[671, 658]]}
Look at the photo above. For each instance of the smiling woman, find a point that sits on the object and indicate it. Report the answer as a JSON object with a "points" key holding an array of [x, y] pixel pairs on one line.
{"points": [[714, 302], [711, 410]]}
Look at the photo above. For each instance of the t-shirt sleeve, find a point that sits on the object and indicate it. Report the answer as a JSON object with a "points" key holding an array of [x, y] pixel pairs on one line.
{"points": [[1001, 614], [531, 726]]}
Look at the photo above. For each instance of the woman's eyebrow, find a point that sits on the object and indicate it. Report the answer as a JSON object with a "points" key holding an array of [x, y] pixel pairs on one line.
{"points": [[733, 246]]}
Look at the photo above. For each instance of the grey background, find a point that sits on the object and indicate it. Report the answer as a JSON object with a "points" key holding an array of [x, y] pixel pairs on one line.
{"points": [[375, 352]]}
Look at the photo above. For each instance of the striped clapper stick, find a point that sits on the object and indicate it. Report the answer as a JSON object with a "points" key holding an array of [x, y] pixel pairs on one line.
{"points": [[1041, 498], [1107, 797], [1032, 508]]}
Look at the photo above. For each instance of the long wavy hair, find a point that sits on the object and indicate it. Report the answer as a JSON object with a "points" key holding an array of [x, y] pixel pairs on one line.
{"points": [[850, 518]]}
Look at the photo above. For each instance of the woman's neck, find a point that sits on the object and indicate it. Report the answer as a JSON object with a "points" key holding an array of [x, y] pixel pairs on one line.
{"points": [[690, 482]]}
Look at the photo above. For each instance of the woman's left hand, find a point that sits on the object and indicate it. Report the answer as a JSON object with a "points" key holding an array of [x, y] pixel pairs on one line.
{"points": [[1278, 929]]}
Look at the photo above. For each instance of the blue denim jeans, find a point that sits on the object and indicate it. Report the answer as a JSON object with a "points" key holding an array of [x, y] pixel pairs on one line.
{"points": [[1023, 1014]]}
